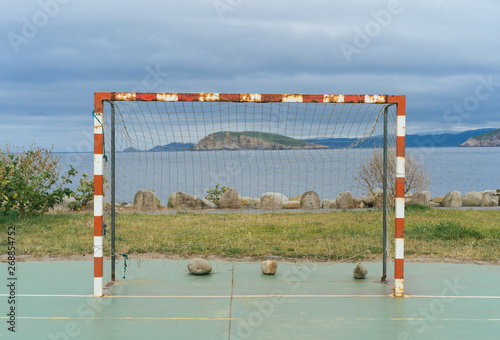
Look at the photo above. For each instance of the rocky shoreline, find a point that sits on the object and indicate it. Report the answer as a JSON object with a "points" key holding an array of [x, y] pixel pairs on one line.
{"points": [[230, 199]]}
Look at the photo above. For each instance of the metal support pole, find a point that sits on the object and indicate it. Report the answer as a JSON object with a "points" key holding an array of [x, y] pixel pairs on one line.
{"points": [[384, 222], [113, 256]]}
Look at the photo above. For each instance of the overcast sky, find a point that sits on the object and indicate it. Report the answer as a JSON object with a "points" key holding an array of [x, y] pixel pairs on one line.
{"points": [[443, 55]]}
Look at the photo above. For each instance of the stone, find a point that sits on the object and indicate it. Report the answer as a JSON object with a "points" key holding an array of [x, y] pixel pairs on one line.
{"points": [[472, 199], [272, 201], [434, 204], [310, 200], [182, 200], [291, 205], [254, 202], [369, 200], [360, 271], [329, 204], [295, 198], [358, 203], [229, 199], [269, 267], [63, 206], [208, 204], [437, 199], [489, 200], [90, 205], [452, 199], [421, 197], [379, 200], [146, 200], [345, 200], [199, 267]]}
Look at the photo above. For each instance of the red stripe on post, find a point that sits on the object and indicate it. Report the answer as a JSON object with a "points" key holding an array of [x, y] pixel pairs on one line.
{"points": [[230, 97], [354, 98], [400, 146], [400, 227], [312, 98], [145, 96], [98, 185], [98, 225], [400, 187], [98, 144], [188, 97], [399, 265], [98, 266], [271, 97]]}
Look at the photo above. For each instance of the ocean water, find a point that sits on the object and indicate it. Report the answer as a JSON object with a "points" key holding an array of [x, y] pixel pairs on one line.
{"points": [[290, 172]]}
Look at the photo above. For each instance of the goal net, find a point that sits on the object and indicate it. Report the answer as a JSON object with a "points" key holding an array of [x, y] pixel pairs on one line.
{"points": [[197, 143]]}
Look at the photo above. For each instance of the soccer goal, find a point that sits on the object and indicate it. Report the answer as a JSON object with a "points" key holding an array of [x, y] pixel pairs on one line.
{"points": [[279, 151]]}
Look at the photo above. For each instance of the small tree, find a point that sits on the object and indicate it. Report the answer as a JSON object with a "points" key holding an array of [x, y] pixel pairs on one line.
{"points": [[370, 175], [31, 182]]}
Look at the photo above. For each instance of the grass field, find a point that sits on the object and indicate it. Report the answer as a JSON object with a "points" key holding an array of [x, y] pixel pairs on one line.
{"points": [[335, 235]]}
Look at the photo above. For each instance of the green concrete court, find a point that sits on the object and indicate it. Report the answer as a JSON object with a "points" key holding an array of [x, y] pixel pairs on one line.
{"points": [[160, 300]]}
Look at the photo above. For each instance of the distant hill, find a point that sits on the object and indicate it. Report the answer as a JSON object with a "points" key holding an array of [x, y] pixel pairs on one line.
{"points": [[442, 139], [491, 138], [252, 140], [173, 147]]}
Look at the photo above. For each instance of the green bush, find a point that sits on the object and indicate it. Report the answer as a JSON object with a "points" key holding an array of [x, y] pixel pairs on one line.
{"points": [[31, 181], [84, 193], [214, 195]]}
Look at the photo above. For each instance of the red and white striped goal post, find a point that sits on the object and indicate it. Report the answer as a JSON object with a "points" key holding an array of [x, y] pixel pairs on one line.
{"points": [[101, 97]]}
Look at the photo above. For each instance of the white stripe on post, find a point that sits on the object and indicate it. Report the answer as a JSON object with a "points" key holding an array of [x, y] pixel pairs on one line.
{"points": [[98, 244], [398, 287], [400, 166], [401, 126], [98, 205], [98, 286], [400, 207], [98, 165], [399, 248]]}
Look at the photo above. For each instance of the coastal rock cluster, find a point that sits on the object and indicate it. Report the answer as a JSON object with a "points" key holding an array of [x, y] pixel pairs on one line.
{"points": [[230, 199]]}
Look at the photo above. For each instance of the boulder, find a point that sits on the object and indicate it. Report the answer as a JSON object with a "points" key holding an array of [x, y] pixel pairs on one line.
{"points": [[254, 202], [329, 204], [90, 205], [310, 200], [360, 271], [63, 206], [472, 199], [452, 199], [146, 200], [208, 204], [199, 267], [345, 200], [181, 200], [358, 203], [434, 204], [369, 200], [379, 200], [269, 267], [489, 200], [272, 200], [437, 199], [229, 199], [421, 197], [295, 198], [291, 205]]}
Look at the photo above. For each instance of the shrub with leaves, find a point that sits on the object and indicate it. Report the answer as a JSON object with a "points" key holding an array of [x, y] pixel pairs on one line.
{"points": [[214, 195], [31, 181], [84, 193]]}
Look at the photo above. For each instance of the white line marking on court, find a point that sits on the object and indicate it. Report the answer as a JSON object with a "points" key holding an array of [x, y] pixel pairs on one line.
{"points": [[253, 296]]}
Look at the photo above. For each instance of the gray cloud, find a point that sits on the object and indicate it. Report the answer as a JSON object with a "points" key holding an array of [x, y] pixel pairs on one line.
{"points": [[435, 52]]}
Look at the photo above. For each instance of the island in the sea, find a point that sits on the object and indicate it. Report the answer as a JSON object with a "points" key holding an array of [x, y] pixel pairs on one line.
{"points": [[252, 140], [491, 138]]}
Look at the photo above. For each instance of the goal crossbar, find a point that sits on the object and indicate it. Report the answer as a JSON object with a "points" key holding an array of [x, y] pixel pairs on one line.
{"points": [[100, 98]]}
